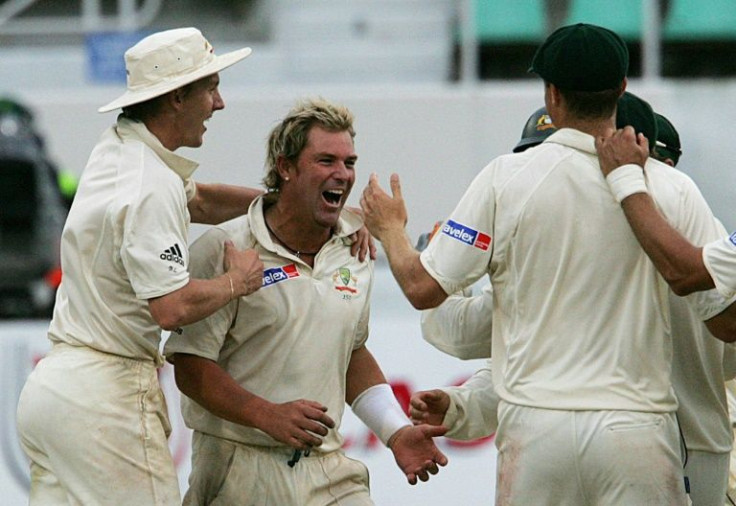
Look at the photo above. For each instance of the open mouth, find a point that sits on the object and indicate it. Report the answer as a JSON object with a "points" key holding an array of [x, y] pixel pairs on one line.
{"points": [[333, 196]]}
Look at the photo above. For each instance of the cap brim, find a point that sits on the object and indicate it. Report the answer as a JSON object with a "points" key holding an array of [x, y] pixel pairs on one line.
{"points": [[221, 62]]}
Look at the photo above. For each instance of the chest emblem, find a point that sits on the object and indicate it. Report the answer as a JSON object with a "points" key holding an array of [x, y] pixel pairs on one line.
{"points": [[345, 283]]}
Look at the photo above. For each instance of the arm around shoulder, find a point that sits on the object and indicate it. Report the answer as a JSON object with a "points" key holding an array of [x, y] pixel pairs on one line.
{"points": [[216, 203]]}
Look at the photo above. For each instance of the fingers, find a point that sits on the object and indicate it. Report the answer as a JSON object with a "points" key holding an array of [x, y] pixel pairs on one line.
{"points": [[395, 186], [642, 141], [318, 412]]}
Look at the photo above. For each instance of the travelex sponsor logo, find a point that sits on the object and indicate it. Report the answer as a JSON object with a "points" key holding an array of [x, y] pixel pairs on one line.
{"points": [[732, 238], [173, 254], [278, 274], [467, 235]]}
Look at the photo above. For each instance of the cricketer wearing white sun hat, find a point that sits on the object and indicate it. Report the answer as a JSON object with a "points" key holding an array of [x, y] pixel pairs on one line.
{"points": [[91, 417], [167, 60]]}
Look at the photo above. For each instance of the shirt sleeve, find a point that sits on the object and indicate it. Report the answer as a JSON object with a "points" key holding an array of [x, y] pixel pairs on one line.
{"points": [[205, 338], [362, 327], [698, 224], [473, 407], [460, 252], [154, 244], [719, 257], [461, 326]]}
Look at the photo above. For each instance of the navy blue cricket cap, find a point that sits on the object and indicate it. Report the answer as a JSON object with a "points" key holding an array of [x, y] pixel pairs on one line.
{"points": [[636, 112], [582, 57]]}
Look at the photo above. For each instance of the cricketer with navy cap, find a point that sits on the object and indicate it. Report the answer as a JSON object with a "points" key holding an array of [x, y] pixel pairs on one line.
{"points": [[580, 340]]}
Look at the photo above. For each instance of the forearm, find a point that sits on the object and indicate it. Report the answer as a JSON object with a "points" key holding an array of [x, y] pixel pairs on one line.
{"points": [[206, 383], [363, 372], [419, 287], [371, 397], [195, 301], [216, 203], [679, 262]]}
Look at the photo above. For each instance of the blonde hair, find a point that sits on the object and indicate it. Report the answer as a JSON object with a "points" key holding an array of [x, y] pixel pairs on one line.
{"points": [[289, 137]]}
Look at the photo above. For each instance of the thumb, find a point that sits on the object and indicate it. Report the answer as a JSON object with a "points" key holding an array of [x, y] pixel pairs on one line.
{"points": [[435, 430], [396, 186], [229, 247]]}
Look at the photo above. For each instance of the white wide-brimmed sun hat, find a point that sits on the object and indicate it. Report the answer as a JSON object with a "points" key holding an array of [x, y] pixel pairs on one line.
{"points": [[168, 60]]}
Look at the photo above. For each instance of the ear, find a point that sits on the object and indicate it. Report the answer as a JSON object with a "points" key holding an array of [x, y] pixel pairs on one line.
{"points": [[554, 95], [283, 166], [175, 98], [624, 83]]}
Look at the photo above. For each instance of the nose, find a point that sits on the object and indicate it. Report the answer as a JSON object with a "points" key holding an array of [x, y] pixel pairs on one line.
{"points": [[342, 172], [219, 103]]}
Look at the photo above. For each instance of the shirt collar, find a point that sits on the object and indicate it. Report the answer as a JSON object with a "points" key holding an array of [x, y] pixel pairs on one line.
{"points": [[347, 224], [132, 129], [574, 139]]}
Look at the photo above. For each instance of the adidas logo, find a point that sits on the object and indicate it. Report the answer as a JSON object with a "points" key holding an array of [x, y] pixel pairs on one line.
{"points": [[173, 254]]}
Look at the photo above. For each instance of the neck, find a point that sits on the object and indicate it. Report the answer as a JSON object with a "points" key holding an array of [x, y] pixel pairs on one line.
{"points": [[595, 127], [299, 239]]}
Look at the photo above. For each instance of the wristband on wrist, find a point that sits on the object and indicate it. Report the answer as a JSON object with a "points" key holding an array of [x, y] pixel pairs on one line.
{"points": [[625, 181], [378, 408]]}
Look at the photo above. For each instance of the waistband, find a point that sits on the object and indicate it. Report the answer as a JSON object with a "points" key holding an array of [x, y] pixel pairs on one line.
{"points": [[61, 347]]}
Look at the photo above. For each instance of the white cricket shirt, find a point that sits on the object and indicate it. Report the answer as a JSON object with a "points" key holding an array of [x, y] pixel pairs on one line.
{"points": [[125, 241], [581, 318], [290, 340]]}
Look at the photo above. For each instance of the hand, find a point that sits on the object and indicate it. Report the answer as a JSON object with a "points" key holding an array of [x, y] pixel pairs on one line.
{"points": [[362, 243], [415, 451], [429, 406], [383, 213], [297, 423], [245, 269], [621, 147]]}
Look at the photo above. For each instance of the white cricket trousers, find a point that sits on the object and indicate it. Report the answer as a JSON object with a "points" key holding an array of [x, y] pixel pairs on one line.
{"points": [[226, 473], [95, 428], [580, 458], [708, 476]]}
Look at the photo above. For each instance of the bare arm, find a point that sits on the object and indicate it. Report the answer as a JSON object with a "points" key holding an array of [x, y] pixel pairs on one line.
{"points": [[679, 262], [363, 372], [297, 423], [385, 217], [216, 203], [201, 297], [723, 325], [413, 446]]}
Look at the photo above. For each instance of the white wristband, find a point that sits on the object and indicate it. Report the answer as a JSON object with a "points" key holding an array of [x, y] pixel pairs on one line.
{"points": [[378, 408], [625, 181]]}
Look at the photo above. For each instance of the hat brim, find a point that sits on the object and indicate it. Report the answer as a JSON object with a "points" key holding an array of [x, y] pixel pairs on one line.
{"points": [[221, 62]]}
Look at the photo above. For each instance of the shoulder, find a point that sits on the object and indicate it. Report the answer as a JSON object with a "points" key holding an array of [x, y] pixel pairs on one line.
{"points": [[238, 230], [661, 177]]}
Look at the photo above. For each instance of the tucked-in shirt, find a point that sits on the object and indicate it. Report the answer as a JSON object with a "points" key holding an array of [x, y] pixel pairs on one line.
{"points": [[293, 338], [125, 241]]}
